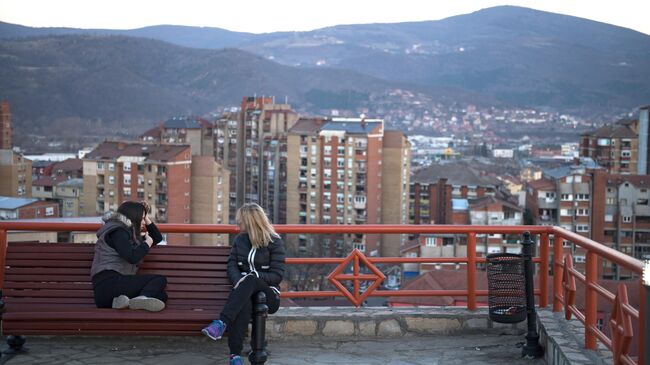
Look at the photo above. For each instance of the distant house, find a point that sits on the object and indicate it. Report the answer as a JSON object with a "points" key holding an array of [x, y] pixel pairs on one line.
{"points": [[27, 208]]}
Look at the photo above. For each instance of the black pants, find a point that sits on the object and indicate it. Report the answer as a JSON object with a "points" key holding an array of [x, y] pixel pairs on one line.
{"points": [[110, 284], [237, 312]]}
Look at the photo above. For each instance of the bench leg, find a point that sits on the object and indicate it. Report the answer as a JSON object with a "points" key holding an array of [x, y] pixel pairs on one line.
{"points": [[258, 354], [15, 345]]}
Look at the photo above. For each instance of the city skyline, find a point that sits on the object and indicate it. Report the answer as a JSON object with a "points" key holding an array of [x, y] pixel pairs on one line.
{"points": [[290, 15]]}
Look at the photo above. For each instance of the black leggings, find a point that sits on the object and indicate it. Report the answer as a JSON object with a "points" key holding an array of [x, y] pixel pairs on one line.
{"points": [[110, 284], [239, 308]]}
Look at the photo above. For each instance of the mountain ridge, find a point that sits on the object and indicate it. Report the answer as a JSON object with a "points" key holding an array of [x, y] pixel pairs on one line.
{"points": [[509, 55]]}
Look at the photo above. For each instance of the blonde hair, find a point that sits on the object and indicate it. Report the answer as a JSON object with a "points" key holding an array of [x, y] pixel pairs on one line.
{"points": [[254, 221]]}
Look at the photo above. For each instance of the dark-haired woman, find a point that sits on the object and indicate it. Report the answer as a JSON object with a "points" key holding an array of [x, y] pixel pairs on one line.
{"points": [[122, 243]]}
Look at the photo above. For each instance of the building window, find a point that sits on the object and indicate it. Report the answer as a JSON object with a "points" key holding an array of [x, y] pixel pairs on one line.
{"points": [[127, 166], [111, 167], [111, 180], [566, 197], [127, 179], [49, 211], [127, 192], [328, 150], [582, 228], [100, 166], [627, 219], [609, 218], [566, 212], [609, 201], [626, 153], [583, 212]]}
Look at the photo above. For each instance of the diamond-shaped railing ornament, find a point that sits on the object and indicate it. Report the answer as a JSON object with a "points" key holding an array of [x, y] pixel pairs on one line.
{"points": [[568, 286], [356, 257], [620, 325]]}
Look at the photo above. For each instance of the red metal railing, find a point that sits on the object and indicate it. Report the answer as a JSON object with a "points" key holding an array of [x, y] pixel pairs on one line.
{"points": [[564, 287]]}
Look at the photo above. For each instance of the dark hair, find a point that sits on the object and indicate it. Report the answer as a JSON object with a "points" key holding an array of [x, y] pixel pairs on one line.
{"points": [[134, 212]]}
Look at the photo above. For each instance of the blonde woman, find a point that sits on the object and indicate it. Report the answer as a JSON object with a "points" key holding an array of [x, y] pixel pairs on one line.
{"points": [[256, 263]]}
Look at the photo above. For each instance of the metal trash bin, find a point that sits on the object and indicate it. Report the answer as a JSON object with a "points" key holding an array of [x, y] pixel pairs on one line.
{"points": [[506, 287]]}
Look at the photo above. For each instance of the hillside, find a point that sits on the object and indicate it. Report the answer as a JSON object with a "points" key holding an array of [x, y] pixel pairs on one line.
{"points": [[125, 78], [512, 55]]}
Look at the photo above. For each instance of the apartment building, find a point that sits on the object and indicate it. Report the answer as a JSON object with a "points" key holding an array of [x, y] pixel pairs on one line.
{"points": [[432, 189], [621, 148], [609, 208], [115, 172], [337, 174], [15, 174], [6, 128], [209, 203], [614, 147], [189, 130], [252, 144], [69, 194], [15, 169]]}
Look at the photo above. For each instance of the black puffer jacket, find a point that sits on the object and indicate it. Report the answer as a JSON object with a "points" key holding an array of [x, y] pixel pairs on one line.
{"points": [[268, 262]]}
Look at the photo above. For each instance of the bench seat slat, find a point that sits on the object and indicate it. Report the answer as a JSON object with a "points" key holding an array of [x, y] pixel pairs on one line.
{"points": [[30, 330], [16, 247], [48, 272], [13, 293], [147, 265], [21, 279], [88, 257], [110, 315]]}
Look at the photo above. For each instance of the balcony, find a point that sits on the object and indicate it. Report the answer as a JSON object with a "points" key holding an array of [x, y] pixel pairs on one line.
{"points": [[556, 297]]}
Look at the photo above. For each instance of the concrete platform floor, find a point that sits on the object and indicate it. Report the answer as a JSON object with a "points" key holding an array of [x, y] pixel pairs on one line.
{"points": [[462, 349]]}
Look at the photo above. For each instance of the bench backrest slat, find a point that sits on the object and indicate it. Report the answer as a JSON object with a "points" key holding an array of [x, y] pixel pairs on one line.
{"points": [[59, 274]]}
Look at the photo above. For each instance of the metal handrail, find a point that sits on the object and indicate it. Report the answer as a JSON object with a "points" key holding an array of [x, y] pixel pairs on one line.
{"points": [[594, 250]]}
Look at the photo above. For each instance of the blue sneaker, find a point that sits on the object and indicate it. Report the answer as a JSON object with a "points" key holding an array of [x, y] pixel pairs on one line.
{"points": [[215, 330], [236, 360]]}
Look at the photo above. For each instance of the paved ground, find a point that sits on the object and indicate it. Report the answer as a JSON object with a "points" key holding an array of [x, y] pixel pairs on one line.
{"points": [[466, 349]]}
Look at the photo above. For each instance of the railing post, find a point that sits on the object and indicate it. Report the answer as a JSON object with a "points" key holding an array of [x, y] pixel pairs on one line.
{"points": [[543, 270], [558, 252], [532, 348], [471, 271], [644, 319], [258, 354], [591, 300]]}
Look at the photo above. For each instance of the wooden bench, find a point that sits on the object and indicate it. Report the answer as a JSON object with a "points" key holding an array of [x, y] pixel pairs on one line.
{"points": [[46, 290]]}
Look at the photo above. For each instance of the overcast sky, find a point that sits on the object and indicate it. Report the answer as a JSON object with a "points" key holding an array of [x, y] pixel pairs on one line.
{"points": [[275, 15]]}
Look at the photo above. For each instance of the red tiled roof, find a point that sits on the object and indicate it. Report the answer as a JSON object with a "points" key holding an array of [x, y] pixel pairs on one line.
{"points": [[69, 165], [542, 184], [307, 126], [155, 133], [489, 200], [155, 152], [49, 181], [636, 180], [619, 130]]}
